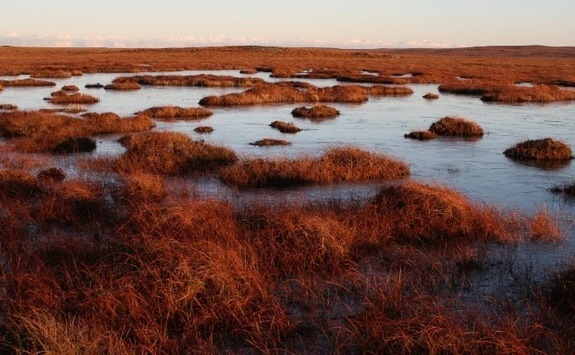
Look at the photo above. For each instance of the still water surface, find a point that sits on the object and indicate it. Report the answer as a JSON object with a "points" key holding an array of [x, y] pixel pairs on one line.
{"points": [[477, 168]]}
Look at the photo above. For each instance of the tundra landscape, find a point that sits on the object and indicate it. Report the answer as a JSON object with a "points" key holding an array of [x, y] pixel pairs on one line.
{"points": [[260, 199]]}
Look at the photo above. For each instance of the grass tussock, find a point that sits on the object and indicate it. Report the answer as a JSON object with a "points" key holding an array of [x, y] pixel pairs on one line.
{"points": [[456, 127], [420, 135], [472, 87], [296, 92], [123, 86], [540, 149], [26, 83], [204, 129], [448, 214], [52, 174], [18, 183], [62, 97], [431, 96], [70, 88], [285, 127], [176, 112], [8, 107], [171, 153], [537, 94], [142, 187], [57, 74], [52, 133], [315, 112], [267, 142], [202, 80], [335, 165]]}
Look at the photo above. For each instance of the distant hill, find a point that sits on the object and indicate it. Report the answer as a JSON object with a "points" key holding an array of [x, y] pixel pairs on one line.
{"points": [[491, 51]]}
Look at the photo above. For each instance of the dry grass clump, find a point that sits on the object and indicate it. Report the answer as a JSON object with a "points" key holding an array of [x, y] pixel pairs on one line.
{"points": [[540, 149], [70, 88], [432, 213], [421, 135], [52, 174], [431, 96], [285, 127], [62, 97], [8, 107], [544, 228], [26, 83], [176, 112], [171, 153], [204, 129], [57, 74], [249, 71], [74, 203], [295, 92], [335, 165], [315, 112], [123, 86], [266, 142], [202, 80], [141, 187], [48, 132], [567, 189], [457, 127], [537, 93], [472, 87], [18, 183]]}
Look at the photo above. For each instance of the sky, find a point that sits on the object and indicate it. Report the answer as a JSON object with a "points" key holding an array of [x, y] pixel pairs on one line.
{"points": [[319, 23]]}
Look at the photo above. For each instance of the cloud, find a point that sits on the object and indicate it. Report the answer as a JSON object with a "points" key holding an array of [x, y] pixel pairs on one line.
{"points": [[43, 40]]}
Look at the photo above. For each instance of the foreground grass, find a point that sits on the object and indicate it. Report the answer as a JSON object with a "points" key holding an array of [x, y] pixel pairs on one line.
{"points": [[335, 165], [137, 266]]}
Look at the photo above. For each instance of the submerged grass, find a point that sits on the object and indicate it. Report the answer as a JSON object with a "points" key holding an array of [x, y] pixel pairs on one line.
{"points": [[540, 149], [266, 142], [567, 189], [335, 165]]}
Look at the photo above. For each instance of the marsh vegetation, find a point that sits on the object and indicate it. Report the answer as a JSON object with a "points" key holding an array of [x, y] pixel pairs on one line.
{"points": [[131, 233]]}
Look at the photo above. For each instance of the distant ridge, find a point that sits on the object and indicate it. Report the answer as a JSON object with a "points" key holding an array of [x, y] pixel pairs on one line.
{"points": [[491, 51]]}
